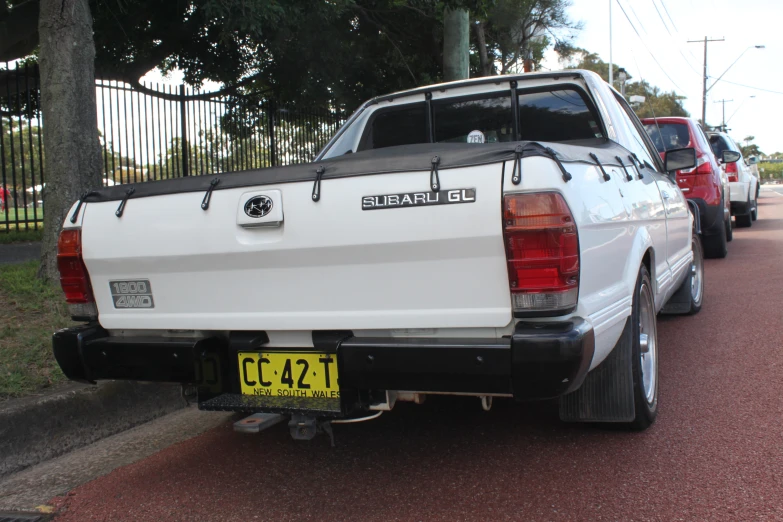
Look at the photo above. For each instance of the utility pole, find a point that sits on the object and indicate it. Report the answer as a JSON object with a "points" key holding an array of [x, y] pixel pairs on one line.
{"points": [[611, 72], [704, 89], [723, 126]]}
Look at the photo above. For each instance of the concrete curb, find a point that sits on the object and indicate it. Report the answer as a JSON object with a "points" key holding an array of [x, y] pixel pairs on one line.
{"points": [[38, 428]]}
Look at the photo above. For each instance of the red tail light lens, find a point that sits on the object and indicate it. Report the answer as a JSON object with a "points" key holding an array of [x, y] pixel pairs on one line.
{"points": [[703, 166], [73, 274], [542, 250], [731, 171]]}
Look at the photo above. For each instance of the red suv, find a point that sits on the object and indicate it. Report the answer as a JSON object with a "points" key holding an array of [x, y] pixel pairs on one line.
{"points": [[703, 184]]}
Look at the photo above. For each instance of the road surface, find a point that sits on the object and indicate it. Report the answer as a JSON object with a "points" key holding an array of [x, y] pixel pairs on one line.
{"points": [[715, 453]]}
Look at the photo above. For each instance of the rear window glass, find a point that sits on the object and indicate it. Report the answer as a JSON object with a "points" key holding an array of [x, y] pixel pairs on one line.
{"points": [[402, 125], [488, 120], [718, 144], [668, 136], [560, 115], [564, 114]]}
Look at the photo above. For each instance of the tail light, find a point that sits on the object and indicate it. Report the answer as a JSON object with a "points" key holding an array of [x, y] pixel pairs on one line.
{"points": [[731, 171], [542, 251], [74, 279], [703, 166]]}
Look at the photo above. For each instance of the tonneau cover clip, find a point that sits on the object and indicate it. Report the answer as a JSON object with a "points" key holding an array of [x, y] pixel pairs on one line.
{"points": [[208, 195], [434, 180], [607, 177], [121, 208], [319, 172]]}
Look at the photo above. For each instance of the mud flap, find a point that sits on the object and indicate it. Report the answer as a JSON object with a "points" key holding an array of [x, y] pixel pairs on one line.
{"points": [[607, 393], [680, 302]]}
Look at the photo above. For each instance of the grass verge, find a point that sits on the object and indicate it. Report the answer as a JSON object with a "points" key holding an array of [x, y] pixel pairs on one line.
{"points": [[20, 236], [32, 310]]}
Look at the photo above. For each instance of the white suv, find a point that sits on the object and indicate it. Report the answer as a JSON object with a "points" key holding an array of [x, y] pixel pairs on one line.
{"points": [[743, 185]]}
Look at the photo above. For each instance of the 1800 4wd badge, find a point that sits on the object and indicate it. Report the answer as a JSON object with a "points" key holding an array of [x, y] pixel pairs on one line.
{"points": [[132, 294]]}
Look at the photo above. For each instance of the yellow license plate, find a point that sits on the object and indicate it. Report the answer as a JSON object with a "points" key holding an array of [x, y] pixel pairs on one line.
{"points": [[289, 374]]}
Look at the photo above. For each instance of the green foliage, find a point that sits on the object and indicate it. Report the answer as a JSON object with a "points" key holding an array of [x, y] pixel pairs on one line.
{"points": [[32, 311], [748, 148], [18, 236], [517, 30], [771, 170]]}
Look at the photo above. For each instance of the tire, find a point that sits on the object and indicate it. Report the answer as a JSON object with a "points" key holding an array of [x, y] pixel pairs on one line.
{"points": [[754, 213], [729, 230], [695, 279], [716, 247], [745, 220], [644, 364]]}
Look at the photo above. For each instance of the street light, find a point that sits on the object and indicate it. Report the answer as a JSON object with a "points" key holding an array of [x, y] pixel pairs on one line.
{"points": [[622, 76], [732, 64]]}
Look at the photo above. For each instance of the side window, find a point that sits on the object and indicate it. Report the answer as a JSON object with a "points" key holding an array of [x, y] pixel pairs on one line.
{"points": [[640, 141], [403, 125]]}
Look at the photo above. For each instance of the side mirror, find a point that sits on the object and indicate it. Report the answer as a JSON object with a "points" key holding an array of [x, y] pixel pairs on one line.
{"points": [[680, 159], [753, 160], [730, 156]]}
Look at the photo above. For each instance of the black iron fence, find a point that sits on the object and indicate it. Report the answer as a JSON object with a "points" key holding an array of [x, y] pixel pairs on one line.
{"points": [[151, 132]]}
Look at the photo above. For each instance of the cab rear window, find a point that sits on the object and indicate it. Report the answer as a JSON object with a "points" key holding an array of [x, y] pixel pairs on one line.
{"points": [[557, 115], [554, 115]]}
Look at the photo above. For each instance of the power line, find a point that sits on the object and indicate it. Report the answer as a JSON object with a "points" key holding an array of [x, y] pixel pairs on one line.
{"points": [[661, 17], [648, 49], [670, 16], [637, 18], [751, 87]]}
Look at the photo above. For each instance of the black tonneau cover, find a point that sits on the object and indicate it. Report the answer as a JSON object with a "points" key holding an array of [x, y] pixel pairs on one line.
{"points": [[404, 158]]}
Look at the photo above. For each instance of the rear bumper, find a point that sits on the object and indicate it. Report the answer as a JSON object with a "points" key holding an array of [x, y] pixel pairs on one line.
{"points": [[539, 361], [738, 193]]}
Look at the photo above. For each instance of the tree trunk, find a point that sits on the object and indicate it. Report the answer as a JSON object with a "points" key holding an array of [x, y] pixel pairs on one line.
{"points": [[481, 42], [73, 155], [456, 32]]}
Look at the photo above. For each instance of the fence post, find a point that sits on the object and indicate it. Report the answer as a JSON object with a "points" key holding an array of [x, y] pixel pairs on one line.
{"points": [[272, 144], [184, 129]]}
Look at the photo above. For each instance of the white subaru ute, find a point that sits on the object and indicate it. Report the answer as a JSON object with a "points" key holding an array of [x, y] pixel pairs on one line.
{"points": [[511, 236]]}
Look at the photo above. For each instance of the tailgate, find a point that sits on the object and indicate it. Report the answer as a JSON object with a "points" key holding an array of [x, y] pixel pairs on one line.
{"points": [[329, 265]]}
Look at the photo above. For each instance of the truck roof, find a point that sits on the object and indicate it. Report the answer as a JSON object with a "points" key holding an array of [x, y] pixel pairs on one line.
{"points": [[578, 73]]}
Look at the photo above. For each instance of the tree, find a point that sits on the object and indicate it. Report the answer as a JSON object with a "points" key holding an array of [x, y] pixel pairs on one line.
{"points": [[749, 149], [456, 38], [511, 32], [657, 102], [73, 157]]}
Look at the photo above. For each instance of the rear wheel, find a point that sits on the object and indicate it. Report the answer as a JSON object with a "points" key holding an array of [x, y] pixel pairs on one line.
{"points": [[754, 213], [729, 230], [716, 247], [644, 360], [745, 220]]}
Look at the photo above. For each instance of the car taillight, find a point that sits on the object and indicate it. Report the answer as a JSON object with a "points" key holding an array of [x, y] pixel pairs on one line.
{"points": [[542, 251], [73, 274], [731, 171], [703, 166]]}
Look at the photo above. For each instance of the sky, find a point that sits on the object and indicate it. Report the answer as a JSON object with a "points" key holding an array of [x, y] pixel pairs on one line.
{"points": [[680, 64]]}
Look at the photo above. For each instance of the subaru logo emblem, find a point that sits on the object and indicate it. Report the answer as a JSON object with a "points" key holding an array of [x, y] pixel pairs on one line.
{"points": [[258, 206]]}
